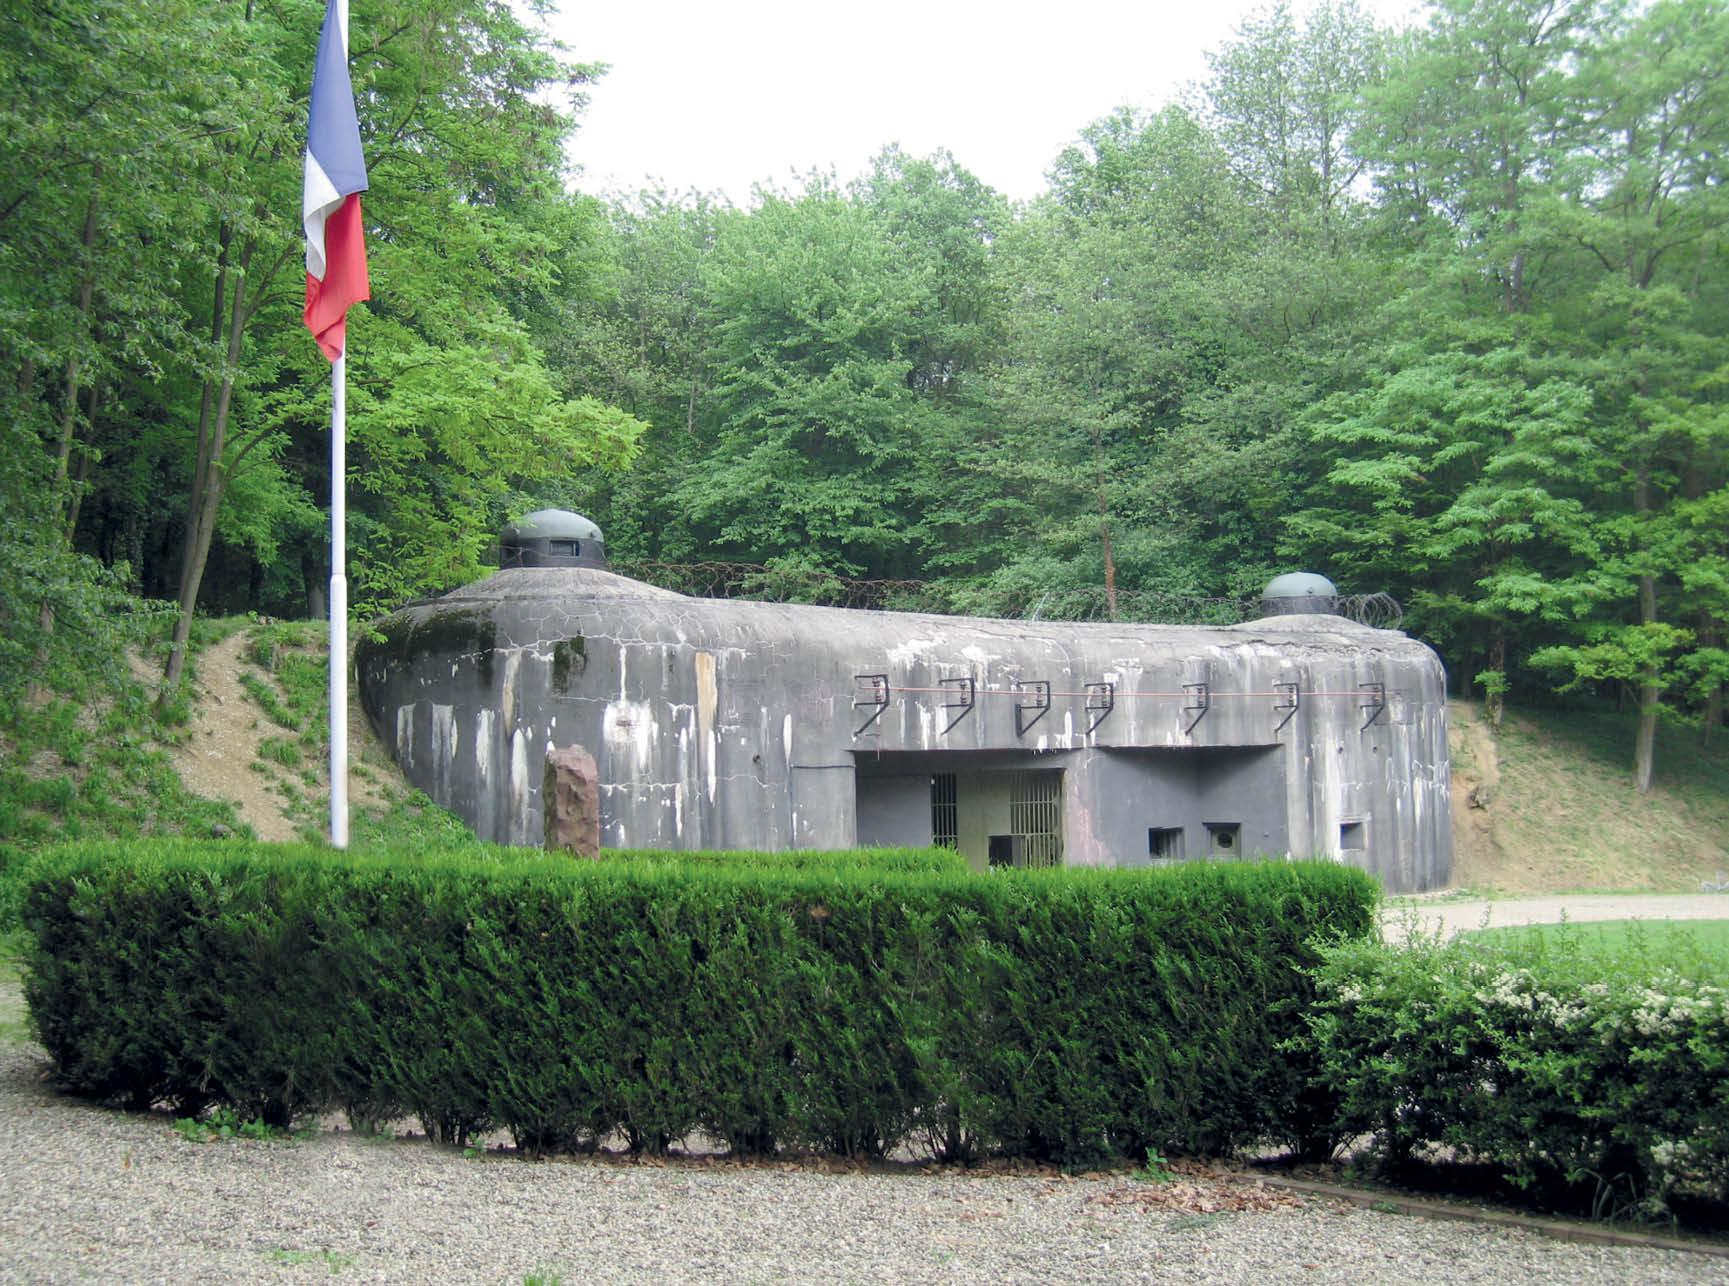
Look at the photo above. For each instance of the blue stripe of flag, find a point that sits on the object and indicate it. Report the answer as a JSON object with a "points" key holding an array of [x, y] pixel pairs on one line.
{"points": [[332, 128]]}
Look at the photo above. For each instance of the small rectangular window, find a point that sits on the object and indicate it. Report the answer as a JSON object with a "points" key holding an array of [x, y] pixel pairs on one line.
{"points": [[563, 548], [1165, 843], [1350, 835]]}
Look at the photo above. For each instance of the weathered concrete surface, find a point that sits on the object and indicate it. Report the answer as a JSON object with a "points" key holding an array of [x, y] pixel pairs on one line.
{"points": [[721, 724], [570, 798]]}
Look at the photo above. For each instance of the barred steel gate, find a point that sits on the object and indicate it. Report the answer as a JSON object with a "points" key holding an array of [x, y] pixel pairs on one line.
{"points": [[1036, 816], [945, 810]]}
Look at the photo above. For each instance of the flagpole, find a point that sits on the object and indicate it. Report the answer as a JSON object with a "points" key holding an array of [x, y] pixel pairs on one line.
{"points": [[336, 278], [338, 603]]}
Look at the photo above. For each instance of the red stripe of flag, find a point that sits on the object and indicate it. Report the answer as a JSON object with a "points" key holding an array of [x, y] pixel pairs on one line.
{"points": [[345, 277]]}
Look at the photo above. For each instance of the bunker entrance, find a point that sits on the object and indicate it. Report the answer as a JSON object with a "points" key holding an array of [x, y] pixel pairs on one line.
{"points": [[994, 808]]}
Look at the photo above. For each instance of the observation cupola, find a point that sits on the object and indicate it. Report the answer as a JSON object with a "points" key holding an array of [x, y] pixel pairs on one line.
{"points": [[551, 538], [1300, 594]]}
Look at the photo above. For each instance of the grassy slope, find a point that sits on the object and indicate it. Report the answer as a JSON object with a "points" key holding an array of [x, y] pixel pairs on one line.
{"points": [[92, 765], [1561, 814], [100, 764]]}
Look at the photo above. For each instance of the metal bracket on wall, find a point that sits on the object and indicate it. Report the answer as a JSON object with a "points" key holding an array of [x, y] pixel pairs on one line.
{"points": [[966, 694], [1101, 700], [1289, 702], [1377, 702], [1200, 701], [876, 701], [1041, 702]]}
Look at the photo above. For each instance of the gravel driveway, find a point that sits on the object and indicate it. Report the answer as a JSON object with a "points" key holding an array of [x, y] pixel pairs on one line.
{"points": [[88, 1193]]}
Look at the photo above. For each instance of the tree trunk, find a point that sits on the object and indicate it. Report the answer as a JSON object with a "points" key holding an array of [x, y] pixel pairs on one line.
{"points": [[132, 538], [208, 478], [74, 362], [1709, 630], [1710, 637], [1104, 503], [1494, 695], [312, 573], [69, 412], [75, 501], [1110, 566], [1645, 741]]}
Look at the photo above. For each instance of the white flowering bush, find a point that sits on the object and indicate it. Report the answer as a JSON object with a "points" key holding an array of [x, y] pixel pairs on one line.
{"points": [[1549, 1057]]}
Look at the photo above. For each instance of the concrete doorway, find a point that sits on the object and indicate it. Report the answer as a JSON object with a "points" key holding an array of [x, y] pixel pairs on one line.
{"points": [[992, 807]]}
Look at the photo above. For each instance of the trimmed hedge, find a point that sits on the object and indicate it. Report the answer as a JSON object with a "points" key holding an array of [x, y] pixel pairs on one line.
{"points": [[933, 859], [1065, 1015], [1561, 1065]]}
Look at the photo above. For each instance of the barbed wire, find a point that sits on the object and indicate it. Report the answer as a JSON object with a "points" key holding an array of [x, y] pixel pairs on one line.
{"points": [[756, 583]]}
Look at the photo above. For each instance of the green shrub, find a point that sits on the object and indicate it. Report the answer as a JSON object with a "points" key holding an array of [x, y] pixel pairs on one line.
{"points": [[1560, 1064], [831, 1001], [934, 859]]}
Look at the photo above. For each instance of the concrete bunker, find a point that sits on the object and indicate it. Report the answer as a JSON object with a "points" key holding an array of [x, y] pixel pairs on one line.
{"points": [[729, 724]]}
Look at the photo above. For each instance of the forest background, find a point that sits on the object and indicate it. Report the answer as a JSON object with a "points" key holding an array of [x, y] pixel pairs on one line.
{"points": [[1440, 314]]}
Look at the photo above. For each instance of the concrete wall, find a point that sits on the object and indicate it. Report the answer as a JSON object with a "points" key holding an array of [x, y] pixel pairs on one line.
{"points": [[894, 812], [729, 724], [1134, 791]]}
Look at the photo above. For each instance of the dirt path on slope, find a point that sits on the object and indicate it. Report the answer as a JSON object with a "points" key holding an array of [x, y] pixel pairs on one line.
{"points": [[1478, 858], [216, 758]]}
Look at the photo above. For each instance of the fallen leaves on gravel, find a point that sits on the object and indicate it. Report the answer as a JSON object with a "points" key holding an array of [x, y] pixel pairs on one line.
{"points": [[1197, 1189]]}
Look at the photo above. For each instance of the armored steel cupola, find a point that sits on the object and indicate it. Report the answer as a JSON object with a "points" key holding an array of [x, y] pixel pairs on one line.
{"points": [[551, 538], [1300, 594]]}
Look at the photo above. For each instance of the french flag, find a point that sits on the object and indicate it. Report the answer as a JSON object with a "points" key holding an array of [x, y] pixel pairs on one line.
{"points": [[335, 178]]}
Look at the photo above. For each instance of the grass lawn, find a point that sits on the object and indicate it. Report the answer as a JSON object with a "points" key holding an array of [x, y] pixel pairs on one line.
{"points": [[1701, 944]]}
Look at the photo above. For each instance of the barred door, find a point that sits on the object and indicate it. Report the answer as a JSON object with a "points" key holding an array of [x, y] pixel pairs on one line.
{"points": [[945, 810], [1036, 816]]}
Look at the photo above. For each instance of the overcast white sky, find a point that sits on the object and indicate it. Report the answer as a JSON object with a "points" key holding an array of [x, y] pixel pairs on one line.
{"points": [[715, 96]]}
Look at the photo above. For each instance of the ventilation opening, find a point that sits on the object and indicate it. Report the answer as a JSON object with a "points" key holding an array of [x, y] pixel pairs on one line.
{"points": [[1225, 839], [564, 548], [1351, 835], [945, 811], [1004, 849], [1165, 843]]}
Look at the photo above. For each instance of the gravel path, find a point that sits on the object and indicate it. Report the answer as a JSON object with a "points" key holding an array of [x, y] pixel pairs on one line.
{"points": [[1450, 917], [88, 1193]]}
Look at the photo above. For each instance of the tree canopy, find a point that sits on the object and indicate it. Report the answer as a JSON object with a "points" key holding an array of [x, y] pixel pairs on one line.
{"points": [[1437, 312]]}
